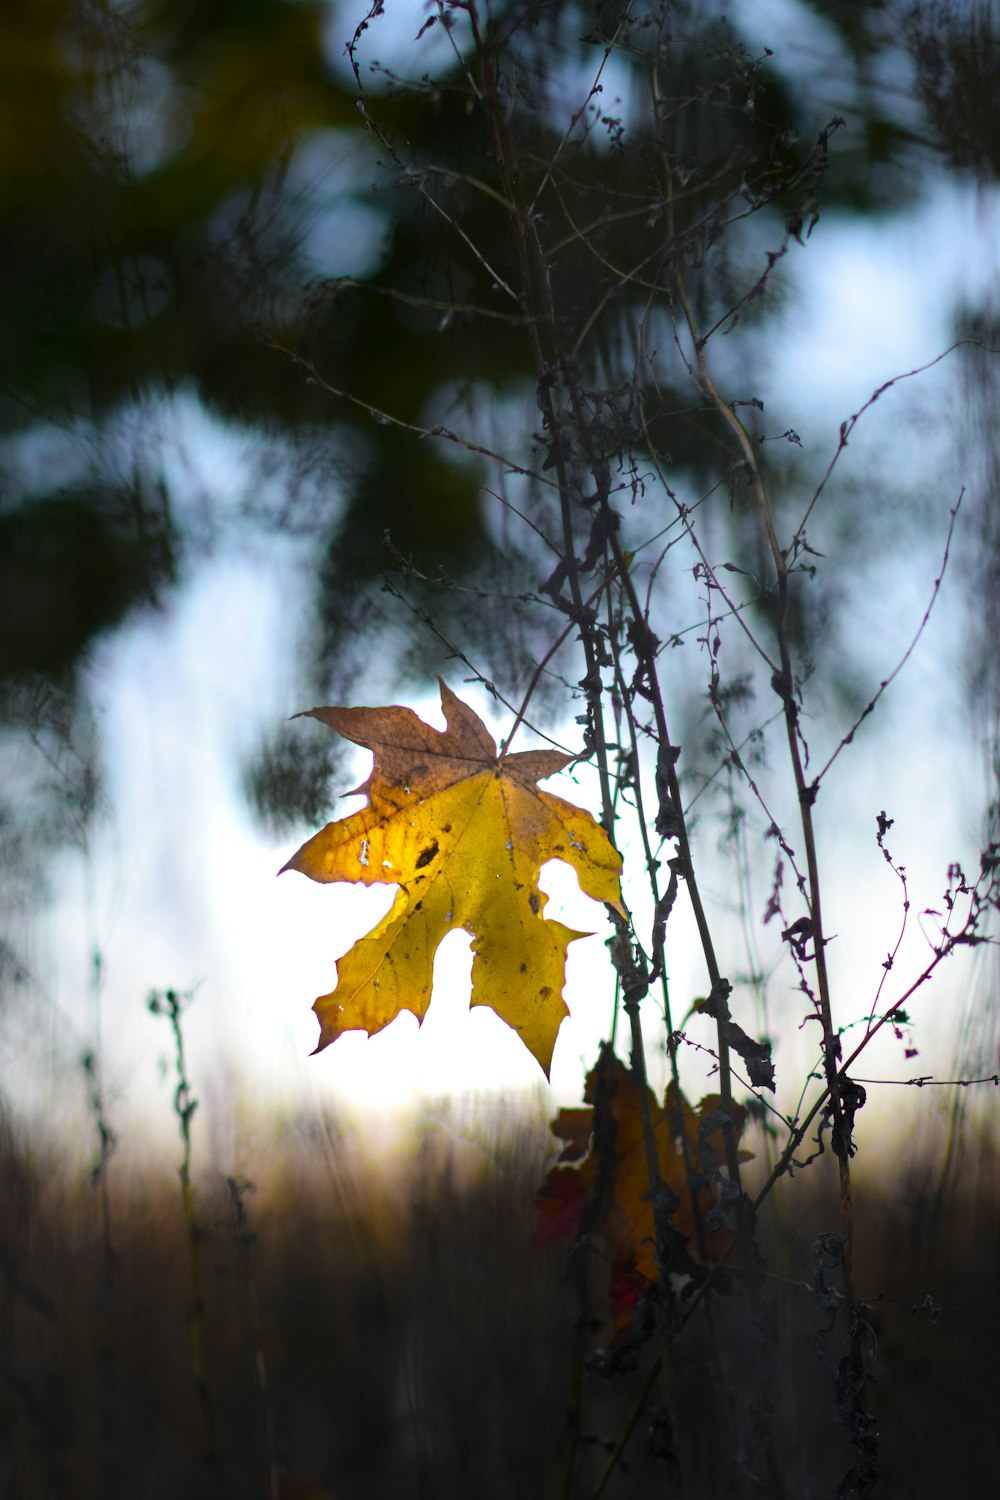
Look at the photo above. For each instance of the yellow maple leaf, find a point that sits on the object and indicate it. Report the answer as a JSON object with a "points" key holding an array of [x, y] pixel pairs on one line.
{"points": [[463, 833]]}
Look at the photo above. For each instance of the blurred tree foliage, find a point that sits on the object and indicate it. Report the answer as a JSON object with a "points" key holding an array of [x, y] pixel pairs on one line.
{"points": [[167, 171]]}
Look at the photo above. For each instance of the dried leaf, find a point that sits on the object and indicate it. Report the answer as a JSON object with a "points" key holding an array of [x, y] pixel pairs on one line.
{"points": [[608, 1193], [756, 1055], [463, 833]]}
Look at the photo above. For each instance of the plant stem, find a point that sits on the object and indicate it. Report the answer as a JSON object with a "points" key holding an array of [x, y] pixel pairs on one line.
{"points": [[171, 1004]]}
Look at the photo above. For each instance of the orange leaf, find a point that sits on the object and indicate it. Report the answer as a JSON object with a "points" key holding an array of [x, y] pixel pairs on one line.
{"points": [[613, 1178], [463, 833]]}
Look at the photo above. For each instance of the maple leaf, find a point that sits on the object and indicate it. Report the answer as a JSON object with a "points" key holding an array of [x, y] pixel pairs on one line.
{"points": [[463, 832], [607, 1193]]}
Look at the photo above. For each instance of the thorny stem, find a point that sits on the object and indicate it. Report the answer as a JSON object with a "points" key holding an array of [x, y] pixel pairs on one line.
{"points": [[658, 956], [668, 761], [551, 373], [784, 685], [537, 291]]}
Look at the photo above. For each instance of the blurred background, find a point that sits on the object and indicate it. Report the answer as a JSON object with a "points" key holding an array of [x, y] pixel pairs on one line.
{"points": [[197, 237]]}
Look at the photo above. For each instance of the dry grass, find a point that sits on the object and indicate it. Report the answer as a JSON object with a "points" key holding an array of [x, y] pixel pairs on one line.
{"points": [[391, 1331]]}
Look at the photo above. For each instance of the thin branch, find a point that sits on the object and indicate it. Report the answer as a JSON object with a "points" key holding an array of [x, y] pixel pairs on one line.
{"points": [[470, 310], [387, 419], [578, 114], [415, 179], [887, 682], [846, 428], [928, 1081]]}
